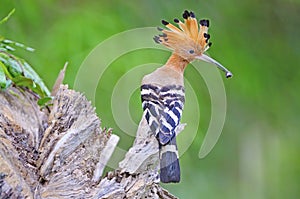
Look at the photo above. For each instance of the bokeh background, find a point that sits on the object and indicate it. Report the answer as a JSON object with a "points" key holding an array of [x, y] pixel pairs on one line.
{"points": [[258, 153]]}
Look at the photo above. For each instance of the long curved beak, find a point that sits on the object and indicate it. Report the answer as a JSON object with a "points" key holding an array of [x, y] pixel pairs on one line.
{"points": [[208, 59]]}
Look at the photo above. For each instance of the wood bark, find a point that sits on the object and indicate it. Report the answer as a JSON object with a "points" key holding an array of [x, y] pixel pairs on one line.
{"points": [[61, 151]]}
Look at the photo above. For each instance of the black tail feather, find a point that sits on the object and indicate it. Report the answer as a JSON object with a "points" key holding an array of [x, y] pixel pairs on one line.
{"points": [[169, 163]]}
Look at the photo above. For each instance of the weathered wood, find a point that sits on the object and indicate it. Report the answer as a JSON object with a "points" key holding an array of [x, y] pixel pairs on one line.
{"points": [[62, 153]]}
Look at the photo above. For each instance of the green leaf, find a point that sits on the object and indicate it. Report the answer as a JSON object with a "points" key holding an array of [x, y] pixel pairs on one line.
{"points": [[13, 67], [22, 74], [8, 16], [29, 83], [30, 73], [5, 70], [6, 43], [43, 101], [17, 71], [23, 81], [38, 90], [2, 78]]}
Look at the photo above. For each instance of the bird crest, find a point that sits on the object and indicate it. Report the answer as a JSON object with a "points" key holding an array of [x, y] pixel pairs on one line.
{"points": [[189, 39]]}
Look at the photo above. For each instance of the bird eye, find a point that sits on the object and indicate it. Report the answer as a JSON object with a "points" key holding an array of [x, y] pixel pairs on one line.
{"points": [[191, 51]]}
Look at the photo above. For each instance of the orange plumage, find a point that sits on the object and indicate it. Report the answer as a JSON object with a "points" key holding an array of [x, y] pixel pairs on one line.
{"points": [[188, 40]]}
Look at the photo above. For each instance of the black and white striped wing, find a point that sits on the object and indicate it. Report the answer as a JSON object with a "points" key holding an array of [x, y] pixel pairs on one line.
{"points": [[163, 109]]}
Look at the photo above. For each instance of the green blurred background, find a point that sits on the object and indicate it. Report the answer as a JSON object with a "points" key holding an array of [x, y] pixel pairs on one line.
{"points": [[258, 153]]}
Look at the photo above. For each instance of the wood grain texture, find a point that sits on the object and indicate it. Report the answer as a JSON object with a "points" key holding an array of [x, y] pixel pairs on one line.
{"points": [[61, 152]]}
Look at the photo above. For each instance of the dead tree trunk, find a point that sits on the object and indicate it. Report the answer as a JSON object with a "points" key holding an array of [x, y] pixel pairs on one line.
{"points": [[62, 153]]}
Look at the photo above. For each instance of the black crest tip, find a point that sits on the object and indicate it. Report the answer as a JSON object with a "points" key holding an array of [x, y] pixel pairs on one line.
{"points": [[164, 22], [156, 39], [176, 20], [192, 14], [207, 22], [185, 14], [204, 22], [206, 35], [163, 35]]}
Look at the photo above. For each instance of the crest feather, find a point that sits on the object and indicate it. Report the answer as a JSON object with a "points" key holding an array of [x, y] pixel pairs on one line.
{"points": [[188, 36]]}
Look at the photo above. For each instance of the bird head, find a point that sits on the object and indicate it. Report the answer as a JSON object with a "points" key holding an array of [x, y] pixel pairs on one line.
{"points": [[188, 40]]}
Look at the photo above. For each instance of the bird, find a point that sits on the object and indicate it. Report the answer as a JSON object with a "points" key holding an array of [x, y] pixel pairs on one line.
{"points": [[162, 91]]}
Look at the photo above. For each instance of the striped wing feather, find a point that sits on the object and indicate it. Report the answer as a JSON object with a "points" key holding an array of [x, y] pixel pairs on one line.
{"points": [[162, 109]]}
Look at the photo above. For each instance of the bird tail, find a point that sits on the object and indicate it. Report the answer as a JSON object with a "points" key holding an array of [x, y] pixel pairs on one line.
{"points": [[169, 163]]}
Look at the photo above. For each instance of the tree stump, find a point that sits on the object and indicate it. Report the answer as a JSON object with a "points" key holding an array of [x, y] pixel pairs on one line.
{"points": [[62, 152]]}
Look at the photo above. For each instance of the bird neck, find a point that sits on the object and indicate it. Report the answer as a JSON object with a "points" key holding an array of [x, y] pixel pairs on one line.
{"points": [[177, 63]]}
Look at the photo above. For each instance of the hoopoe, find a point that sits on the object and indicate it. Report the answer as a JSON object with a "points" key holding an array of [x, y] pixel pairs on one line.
{"points": [[162, 91]]}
